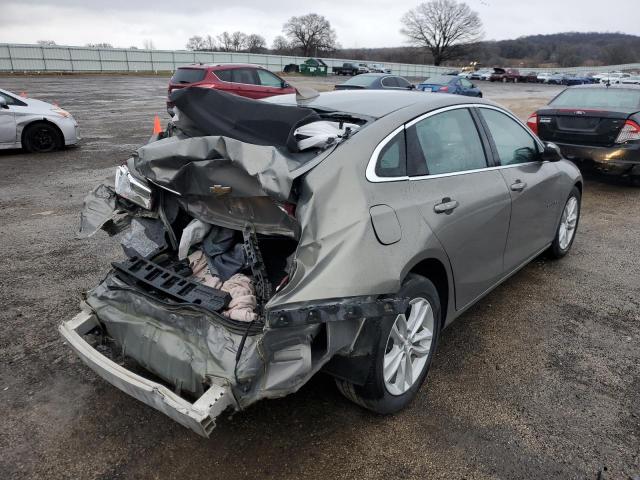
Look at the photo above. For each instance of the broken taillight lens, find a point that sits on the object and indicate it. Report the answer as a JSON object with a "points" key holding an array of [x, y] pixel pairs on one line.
{"points": [[288, 208], [630, 132], [532, 122]]}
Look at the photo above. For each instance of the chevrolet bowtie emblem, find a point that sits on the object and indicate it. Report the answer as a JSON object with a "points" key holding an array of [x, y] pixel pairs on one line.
{"points": [[220, 189]]}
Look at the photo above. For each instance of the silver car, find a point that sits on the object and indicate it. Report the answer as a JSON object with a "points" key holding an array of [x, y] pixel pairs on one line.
{"points": [[364, 222], [35, 125]]}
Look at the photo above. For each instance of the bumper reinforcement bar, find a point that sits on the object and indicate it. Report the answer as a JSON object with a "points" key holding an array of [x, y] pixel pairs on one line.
{"points": [[198, 416]]}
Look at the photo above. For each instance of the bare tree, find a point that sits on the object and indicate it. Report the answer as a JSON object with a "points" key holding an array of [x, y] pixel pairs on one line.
{"points": [[256, 43], [238, 41], [444, 27], [209, 43], [280, 45], [148, 44], [310, 33], [225, 41], [195, 43], [99, 45], [46, 43]]}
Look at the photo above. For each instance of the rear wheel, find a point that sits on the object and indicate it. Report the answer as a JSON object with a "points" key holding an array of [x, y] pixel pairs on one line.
{"points": [[566, 232], [403, 352], [41, 137]]}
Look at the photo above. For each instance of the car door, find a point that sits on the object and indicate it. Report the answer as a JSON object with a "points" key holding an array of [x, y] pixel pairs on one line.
{"points": [[270, 84], [7, 122], [533, 186], [463, 200], [468, 88]]}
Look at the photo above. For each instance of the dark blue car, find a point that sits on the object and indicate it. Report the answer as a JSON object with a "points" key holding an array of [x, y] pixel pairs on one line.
{"points": [[450, 84]]}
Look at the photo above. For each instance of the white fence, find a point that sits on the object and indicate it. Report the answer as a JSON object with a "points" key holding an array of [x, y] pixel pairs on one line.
{"points": [[36, 58]]}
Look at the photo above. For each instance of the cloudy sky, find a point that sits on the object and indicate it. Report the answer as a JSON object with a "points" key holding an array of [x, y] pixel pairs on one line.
{"points": [[358, 23]]}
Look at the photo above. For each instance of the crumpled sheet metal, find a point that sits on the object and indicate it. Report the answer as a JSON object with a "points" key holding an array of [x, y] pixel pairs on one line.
{"points": [[191, 166], [182, 346]]}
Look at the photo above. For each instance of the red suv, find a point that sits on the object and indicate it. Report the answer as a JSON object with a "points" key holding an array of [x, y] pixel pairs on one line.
{"points": [[246, 80]]}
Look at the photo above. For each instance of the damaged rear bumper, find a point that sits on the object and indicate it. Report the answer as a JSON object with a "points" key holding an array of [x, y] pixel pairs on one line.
{"points": [[198, 416]]}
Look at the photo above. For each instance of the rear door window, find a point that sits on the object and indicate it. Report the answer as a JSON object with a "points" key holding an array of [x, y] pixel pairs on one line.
{"points": [[402, 83], [268, 79], [445, 143], [224, 75], [514, 144], [392, 159], [390, 82], [245, 75], [188, 75]]}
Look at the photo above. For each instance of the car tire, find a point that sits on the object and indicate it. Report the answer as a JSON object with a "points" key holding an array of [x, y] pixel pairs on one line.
{"points": [[41, 137], [480, 95], [567, 226], [392, 395]]}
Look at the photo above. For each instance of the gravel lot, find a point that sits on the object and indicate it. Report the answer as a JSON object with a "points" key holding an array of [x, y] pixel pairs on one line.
{"points": [[540, 380]]}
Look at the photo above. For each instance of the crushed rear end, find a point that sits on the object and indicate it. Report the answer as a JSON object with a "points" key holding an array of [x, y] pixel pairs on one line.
{"points": [[191, 322]]}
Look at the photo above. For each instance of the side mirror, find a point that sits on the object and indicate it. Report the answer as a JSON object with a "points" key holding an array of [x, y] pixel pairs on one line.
{"points": [[551, 153], [285, 84], [3, 103]]}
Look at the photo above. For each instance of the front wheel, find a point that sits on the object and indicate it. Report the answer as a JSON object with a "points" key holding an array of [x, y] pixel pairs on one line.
{"points": [[566, 231], [402, 356], [41, 137]]}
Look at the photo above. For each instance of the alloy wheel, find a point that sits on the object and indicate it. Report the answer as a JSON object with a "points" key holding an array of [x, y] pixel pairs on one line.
{"points": [[408, 347], [568, 223]]}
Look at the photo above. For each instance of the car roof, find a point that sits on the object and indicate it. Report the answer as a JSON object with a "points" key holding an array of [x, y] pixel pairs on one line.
{"points": [[217, 66], [375, 103], [624, 86]]}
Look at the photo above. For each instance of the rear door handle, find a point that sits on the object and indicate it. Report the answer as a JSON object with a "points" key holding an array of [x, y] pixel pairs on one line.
{"points": [[446, 206], [518, 186]]}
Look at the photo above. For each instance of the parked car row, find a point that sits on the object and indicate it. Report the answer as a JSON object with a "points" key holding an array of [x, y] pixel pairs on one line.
{"points": [[358, 68]]}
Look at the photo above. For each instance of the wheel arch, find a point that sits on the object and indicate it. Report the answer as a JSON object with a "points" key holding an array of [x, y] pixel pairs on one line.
{"points": [[435, 270], [578, 185], [35, 121]]}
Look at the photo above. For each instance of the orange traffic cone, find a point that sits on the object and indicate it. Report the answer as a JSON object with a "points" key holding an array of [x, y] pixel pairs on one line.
{"points": [[157, 128], [23, 94]]}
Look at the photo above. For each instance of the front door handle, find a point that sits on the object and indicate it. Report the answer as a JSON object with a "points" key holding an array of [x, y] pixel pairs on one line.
{"points": [[446, 206], [518, 186]]}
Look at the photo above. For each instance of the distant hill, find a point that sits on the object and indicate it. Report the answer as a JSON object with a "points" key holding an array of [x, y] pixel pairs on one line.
{"points": [[568, 49]]}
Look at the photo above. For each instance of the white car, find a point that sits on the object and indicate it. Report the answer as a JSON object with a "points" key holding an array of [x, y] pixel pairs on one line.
{"points": [[543, 77], [378, 68], [631, 80], [614, 77], [35, 125]]}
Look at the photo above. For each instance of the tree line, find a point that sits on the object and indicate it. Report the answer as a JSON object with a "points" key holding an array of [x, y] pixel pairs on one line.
{"points": [[439, 32]]}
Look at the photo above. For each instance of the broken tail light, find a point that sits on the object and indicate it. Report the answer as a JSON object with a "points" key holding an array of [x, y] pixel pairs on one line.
{"points": [[532, 122], [131, 188], [630, 132]]}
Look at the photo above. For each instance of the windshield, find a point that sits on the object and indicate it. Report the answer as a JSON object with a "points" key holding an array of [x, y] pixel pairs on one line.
{"points": [[439, 80], [361, 80], [188, 75], [598, 98]]}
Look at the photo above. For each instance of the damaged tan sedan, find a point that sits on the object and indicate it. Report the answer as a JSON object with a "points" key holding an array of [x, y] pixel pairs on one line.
{"points": [[265, 241]]}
